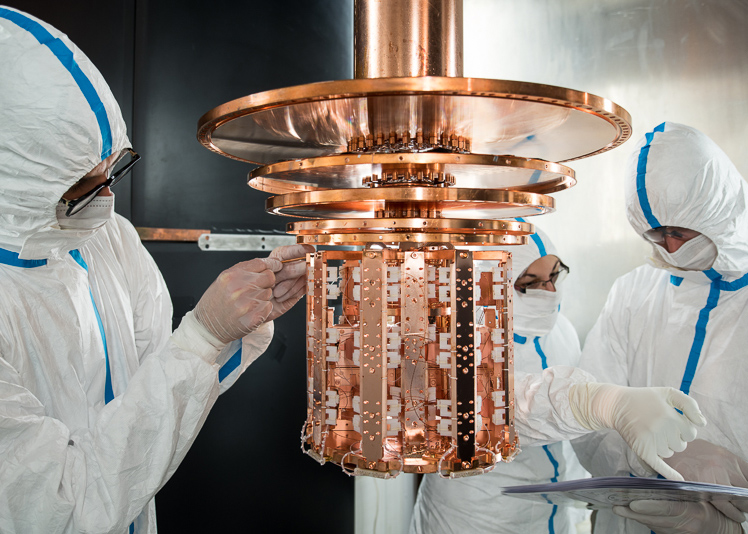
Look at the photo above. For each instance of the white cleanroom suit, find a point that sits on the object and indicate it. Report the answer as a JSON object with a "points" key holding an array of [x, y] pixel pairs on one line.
{"points": [[97, 405], [662, 326]]}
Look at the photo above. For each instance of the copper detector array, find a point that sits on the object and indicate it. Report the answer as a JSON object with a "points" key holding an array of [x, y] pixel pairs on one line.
{"points": [[409, 335]]}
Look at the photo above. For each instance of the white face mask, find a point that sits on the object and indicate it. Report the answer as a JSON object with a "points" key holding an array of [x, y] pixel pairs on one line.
{"points": [[536, 311], [93, 216], [697, 254]]}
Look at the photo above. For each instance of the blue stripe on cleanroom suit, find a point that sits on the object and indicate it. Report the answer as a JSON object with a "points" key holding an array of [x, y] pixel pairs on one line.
{"points": [[554, 462], [536, 239], [108, 391], [641, 175], [67, 59], [11, 258], [230, 365]]}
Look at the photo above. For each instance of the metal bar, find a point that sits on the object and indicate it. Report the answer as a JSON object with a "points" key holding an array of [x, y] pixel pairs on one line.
{"points": [[244, 242], [396, 38], [316, 348], [413, 365], [373, 352], [170, 234], [465, 355]]}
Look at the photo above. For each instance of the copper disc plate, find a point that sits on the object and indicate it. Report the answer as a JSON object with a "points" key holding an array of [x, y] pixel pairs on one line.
{"points": [[498, 117], [359, 240], [375, 226], [451, 202], [469, 170]]}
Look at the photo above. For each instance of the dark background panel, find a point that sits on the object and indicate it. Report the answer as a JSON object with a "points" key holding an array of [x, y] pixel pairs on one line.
{"points": [[192, 59], [169, 63]]}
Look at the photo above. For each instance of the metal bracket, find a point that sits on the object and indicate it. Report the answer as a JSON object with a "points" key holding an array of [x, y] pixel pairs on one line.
{"points": [[243, 242]]}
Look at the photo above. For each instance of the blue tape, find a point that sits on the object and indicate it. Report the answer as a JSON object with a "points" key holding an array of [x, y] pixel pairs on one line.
{"points": [[519, 339], [740, 283], [67, 59], [675, 280], [698, 340], [230, 365], [536, 239], [543, 360], [553, 461], [641, 173], [11, 258], [108, 390]]}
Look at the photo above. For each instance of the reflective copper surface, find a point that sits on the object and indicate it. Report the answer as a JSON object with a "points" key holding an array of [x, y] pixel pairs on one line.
{"points": [[467, 170], [169, 234], [349, 226], [499, 117], [410, 202], [408, 238], [407, 38], [390, 387]]}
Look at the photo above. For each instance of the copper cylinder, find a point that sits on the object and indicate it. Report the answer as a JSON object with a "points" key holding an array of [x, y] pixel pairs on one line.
{"points": [[395, 38]]}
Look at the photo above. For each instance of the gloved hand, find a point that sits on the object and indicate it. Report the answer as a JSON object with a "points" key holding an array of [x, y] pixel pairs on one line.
{"points": [[290, 281], [706, 462], [239, 300], [644, 417], [678, 517]]}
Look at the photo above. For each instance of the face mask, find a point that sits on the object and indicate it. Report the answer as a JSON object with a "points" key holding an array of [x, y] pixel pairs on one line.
{"points": [[93, 216], [697, 254], [536, 311]]}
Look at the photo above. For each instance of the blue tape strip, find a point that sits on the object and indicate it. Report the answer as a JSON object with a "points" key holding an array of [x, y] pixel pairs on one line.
{"points": [[675, 280], [641, 173], [11, 258], [698, 340], [553, 461], [536, 239], [67, 59], [740, 283], [520, 339], [108, 390], [230, 365], [543, 360]]}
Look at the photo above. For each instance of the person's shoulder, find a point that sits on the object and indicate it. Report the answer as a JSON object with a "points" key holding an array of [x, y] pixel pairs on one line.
{"points": [[122, 232], [641, 277]]}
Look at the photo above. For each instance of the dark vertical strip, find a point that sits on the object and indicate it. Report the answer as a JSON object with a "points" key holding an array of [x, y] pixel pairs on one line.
{"points": [[465, 355]]}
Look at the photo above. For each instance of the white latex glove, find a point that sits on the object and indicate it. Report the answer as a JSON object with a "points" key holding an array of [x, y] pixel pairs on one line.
{"points": [[239, 300], [678, 517], [290, 281], [292, 276], [644, 417], [705, 462]]}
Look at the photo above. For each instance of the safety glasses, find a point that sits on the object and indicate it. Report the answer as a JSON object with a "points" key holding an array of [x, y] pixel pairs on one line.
{"points": [[557, 276], [658, 235], [77, 204]]}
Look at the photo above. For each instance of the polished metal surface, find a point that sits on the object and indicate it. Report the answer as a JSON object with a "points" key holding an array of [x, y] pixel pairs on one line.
{"points": [[363, 226], [468, 170], [212, 242], [391, 337], [169, 234], [410, 202], [497, 117], [410, 238], [407, 38]]}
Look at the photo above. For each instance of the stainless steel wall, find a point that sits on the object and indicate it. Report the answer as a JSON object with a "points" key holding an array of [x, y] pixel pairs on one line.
{"points": [[677, 60]]}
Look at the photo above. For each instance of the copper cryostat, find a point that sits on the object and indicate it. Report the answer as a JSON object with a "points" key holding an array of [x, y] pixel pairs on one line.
{"points": [[404, 178]]}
